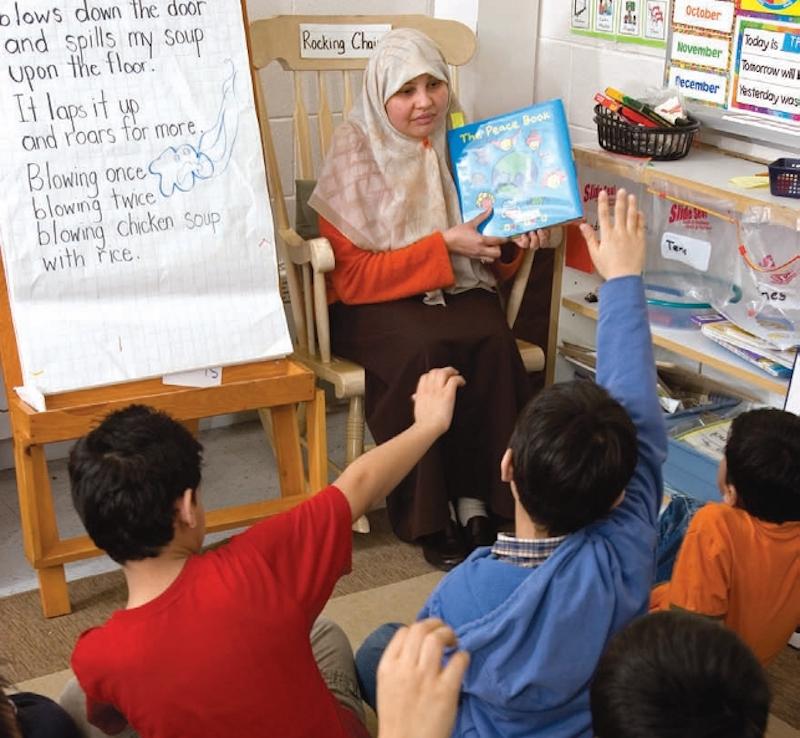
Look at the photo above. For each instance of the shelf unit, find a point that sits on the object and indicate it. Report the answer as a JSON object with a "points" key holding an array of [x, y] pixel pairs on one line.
{"points": [[695, 346], [707, 172]]}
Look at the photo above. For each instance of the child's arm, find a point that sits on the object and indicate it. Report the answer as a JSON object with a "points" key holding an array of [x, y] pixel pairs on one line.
{"points": [[372, 476], [625, 362]]}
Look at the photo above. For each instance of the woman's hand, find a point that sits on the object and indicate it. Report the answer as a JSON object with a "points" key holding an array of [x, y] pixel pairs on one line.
{"points": [[464, 239], [533, 239]]}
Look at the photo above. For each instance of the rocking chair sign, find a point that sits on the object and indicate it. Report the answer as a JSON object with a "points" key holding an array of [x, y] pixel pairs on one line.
{"points": [[322, 41]]}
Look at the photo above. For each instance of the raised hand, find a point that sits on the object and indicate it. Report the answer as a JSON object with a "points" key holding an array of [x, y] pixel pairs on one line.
{"points": [[435, 398], [620, 251]]}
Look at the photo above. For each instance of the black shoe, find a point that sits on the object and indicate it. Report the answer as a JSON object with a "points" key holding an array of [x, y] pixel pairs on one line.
{"points": [[445, 549], [479, 531]]}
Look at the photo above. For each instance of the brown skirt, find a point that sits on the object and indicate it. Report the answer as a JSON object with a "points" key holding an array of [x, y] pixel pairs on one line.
{"points": [[398, 341]]}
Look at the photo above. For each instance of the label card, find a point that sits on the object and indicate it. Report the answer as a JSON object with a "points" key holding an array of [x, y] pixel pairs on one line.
{"points": [[694, 252], [580, 14], [699, 85], [629, 18], [767, 74], [322, 41], [604, 15], [704, 51], [712, 15], [655, 20], [211, 377]]}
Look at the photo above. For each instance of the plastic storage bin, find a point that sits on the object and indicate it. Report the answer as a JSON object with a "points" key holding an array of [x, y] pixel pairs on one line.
{"points": [[690, 472], [784, 178]]}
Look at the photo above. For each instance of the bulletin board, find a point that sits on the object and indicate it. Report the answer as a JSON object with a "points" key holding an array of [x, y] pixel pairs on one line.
{"points": [[642, 22], [738, 63], [135, 226]]}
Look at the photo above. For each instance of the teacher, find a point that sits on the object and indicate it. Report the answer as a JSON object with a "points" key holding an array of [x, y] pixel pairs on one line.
{"points": [[414, 288]]}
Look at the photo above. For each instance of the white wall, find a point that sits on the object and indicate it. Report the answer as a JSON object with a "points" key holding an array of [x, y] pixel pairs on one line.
{"points": [[575, 67]]}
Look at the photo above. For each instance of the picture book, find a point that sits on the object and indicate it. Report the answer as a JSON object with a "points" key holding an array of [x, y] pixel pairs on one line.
{"points": [[521, 165]]}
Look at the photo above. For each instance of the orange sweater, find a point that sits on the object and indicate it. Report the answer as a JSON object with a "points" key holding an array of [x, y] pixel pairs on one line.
{"points": [[742, 570], [361, 276]]}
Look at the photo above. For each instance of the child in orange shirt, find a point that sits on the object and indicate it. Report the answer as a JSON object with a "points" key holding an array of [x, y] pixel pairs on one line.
{"points": [[740, 559]]}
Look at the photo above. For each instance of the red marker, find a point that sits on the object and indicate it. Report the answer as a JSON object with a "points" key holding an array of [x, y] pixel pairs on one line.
{"points": [[630, 115]]}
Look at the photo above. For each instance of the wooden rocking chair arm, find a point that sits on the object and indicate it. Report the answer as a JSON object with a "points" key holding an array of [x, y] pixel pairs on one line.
{"points": [[321, 254]]}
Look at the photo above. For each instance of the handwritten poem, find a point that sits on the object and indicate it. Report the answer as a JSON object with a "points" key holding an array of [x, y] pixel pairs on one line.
{"points": [[135, 226]]}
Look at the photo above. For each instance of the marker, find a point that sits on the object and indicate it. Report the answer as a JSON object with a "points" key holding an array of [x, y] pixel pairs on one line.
{"points": [[638, 106], [630, 116]]}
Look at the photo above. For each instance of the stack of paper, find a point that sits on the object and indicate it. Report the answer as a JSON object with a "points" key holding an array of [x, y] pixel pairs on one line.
{"points": [[751, 348]]}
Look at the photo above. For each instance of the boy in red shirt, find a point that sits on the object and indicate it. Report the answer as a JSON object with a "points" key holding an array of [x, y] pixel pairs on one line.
{"points": [[740, 560], [220, 643]]}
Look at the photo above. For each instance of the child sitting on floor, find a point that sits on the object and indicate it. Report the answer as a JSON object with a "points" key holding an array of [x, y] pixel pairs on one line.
{"points": [[677, 675], [667, 675], [223, 643], [740, 559], [536, 611]]}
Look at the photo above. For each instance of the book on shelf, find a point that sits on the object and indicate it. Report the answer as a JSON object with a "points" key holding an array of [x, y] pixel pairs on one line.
{"points": [[520, 164], [751, 348], [749, 354]]}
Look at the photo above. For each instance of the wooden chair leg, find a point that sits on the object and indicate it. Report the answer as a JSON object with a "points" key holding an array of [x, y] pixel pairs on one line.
{"points": [[317, 442], [355, 429], [355, 446]]}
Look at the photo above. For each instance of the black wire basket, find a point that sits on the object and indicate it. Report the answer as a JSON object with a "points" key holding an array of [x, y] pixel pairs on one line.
{"points": [[661, 144]]}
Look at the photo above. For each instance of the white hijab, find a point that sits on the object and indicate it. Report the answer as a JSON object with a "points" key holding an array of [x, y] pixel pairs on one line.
{"points": [[382, 189]]}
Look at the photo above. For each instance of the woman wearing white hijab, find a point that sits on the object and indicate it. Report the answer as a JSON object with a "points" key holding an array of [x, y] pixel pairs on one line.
{"points": [[413, 288]]}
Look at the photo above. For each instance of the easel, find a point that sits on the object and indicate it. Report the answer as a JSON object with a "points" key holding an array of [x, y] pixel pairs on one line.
{"points": [[273, 387], [277, 385]]}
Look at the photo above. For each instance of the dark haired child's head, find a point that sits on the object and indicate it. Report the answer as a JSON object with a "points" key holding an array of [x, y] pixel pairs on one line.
{"points": [[573, 450], [126, 478], [762, 465], [678, 675]]}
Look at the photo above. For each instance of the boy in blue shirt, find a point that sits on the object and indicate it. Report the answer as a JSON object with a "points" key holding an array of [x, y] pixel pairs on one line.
{"points": [[536, 610]]}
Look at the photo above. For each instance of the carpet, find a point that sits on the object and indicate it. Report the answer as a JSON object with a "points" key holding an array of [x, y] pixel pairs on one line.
{"points": [[390, 580]]}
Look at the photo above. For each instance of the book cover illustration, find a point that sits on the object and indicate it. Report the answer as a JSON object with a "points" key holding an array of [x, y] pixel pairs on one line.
{"points": [[521, 165]]}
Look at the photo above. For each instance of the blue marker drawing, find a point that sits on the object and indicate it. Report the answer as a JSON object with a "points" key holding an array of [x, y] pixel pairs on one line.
{"points": [[180, 167]]}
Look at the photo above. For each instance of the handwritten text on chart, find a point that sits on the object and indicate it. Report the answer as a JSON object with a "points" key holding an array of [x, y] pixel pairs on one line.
{"points": [[694, 252], [321, 41], [131, 164]]}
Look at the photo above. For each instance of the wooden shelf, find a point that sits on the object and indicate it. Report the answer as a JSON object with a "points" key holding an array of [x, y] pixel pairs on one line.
{"points": [[706, 171], [695, 346]]}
